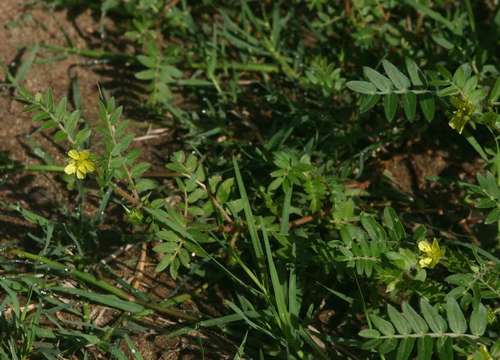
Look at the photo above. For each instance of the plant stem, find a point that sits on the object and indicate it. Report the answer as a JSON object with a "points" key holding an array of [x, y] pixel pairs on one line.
{"points": [[40, 168], [103, 55], [101, 284]]}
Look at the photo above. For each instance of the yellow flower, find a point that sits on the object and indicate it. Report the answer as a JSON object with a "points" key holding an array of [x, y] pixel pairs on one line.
{"points": [[432, 253], [79, 163], [461, 115]]}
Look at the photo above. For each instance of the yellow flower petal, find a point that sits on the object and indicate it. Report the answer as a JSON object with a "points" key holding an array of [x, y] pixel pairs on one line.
{"points": [[80, 175], [425, 262], [75, 155], [435, 247], [424, 246], [70, 168], [89, 166], [84, 155], [80, 163]]}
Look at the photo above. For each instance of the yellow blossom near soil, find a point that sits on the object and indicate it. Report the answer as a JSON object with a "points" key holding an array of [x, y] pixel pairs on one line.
{"points": [[432, 253], [461, 115], [79, 163]]}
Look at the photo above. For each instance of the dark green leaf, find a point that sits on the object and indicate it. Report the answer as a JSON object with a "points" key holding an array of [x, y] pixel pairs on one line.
{"points": [[445, 349], [424, 348], [387, 346], [390, 106], [428, 106], [410, 105], [405, 348], [368, 102]]}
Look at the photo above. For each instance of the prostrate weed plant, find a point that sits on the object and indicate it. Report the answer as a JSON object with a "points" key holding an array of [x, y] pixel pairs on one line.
{"points": [[275, 215]]}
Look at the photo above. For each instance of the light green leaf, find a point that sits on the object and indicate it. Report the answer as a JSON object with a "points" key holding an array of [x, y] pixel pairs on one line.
{"points": [[369, 333], [479, 320], [414, 72], [399, 79], [414, 319], [455, 316], [384, 326], [398, 320], [363, 87], [431, 315], [380, 81], [495, 92]]}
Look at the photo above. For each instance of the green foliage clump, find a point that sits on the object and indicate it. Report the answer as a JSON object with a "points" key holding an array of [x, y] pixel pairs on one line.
{"points": [[269, 209]]}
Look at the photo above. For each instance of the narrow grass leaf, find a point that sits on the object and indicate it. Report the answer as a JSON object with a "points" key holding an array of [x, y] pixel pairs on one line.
{"points": [[279, 294], [104, 299], [432, 14], [27, 63], [251, 223]]}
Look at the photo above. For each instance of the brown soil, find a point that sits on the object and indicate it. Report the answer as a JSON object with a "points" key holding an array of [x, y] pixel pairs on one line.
{"points": [[42, 192], [22, 28]]}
